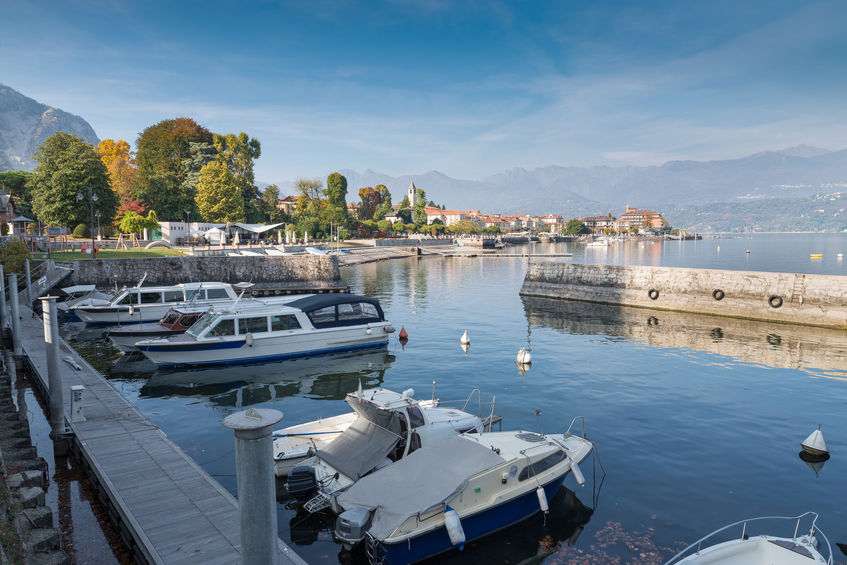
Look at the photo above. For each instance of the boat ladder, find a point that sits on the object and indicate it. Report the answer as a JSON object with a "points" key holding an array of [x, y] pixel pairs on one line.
{"points": [[316, 503]]}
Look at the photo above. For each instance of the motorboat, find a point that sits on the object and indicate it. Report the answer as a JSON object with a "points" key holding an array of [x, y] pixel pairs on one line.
{"points": [[150, 303], [379, 407], [82, 294], [598, 243], [465, 487], [315, 324], [179, 318], [804, 547]]}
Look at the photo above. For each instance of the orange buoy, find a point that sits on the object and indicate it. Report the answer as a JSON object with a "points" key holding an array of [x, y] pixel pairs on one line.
{"points": [[403, 333]]}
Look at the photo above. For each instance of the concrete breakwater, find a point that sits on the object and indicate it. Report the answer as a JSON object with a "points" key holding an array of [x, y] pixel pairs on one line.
{"points": [[306, 271], [818, 300]]}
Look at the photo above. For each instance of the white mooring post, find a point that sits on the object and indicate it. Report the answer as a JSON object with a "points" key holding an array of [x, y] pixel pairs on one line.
{"points": [[28, 284], [16, 318], [4, 315], [54, 378], [255, 483]]}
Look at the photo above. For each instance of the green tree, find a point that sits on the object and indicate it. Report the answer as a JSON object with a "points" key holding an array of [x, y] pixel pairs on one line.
{"points": [[385, 207], [136, 223], [200, 153], [336, 197], [67, 167], [218, 198], [492, 229], [420, 208], [13, 255], [272, 214], [464, 226], [15, 184], [575, 227]]}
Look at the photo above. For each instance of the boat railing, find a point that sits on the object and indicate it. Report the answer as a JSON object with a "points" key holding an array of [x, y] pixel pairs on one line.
{"points": [[479, 400], [581, 419], [743, 523]]}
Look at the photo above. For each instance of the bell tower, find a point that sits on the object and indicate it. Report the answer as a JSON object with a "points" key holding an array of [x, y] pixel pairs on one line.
{"points": [[411, 193]]}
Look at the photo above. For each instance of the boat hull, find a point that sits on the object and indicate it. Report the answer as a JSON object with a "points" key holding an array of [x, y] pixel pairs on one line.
{"points": [[475, 527], [125, 340]]}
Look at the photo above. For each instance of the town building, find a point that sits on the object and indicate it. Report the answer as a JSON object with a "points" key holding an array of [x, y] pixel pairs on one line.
{"points": [[633, 217], [598, 223], [288, 205]]}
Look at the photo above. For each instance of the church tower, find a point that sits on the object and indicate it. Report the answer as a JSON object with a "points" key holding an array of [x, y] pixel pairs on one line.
{"points": [[411, 193]]}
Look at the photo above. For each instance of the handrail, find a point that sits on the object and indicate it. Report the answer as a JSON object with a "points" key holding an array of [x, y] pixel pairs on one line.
{"points": [[575, 418], [479, 398], [811, 533]]}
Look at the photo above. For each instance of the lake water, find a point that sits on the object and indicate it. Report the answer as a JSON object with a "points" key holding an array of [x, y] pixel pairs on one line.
{"points": [[697, 420]]}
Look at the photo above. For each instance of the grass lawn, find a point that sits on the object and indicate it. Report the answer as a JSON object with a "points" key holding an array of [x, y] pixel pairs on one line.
{"points": [[110, 254]]}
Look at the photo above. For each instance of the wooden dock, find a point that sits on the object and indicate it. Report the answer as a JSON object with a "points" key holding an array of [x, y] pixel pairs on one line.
{"points": [[168, 509]]}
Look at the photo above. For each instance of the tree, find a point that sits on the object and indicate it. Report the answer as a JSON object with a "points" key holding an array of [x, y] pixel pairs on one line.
{"points": [[13, 256], [336, 196], [68, 166], [218, 198], [200, 153], [135, 223], [575, 227], [371, 200], [310, 206], [420, 208], [162, 150], [385, 206], [15, 184], [120, 162], [272, 214], [464, 226]]}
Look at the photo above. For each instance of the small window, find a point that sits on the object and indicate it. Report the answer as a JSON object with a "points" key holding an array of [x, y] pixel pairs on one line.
{"points": [[174, 296], [252, 325], [323, 316], [216, 293], [189, 320], [190, 294], [281, 322], [224, 327], [170, 317], [130, 298], [357, 311], [541, 465], [415, 417], [151, 297]]}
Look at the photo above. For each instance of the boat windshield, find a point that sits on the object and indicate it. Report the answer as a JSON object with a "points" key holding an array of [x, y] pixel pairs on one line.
{"points": [[203, 323], [171, 317]]}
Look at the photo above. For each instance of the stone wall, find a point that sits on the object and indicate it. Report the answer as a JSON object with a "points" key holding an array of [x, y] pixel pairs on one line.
{"points": [[308, 269], [819, 300]]}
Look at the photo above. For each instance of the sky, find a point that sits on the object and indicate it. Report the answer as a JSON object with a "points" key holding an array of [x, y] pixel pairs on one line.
{"points": [[467, 88]]}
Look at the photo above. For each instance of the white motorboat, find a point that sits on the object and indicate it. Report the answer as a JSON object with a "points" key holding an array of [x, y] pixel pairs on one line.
{"points": [[598, 243], [380, 407], [315, 324], [454, 491], [802, 548], [82, 294], [150, 303]]}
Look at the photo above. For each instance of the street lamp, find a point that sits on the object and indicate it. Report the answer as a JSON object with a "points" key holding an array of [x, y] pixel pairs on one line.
{"points": [[92, 198], [188, 213]]}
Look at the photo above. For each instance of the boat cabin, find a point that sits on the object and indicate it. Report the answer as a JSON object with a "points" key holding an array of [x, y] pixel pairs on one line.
{"points": [[177, 293]]}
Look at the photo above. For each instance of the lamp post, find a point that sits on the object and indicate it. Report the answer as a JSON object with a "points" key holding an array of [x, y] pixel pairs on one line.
{"points": [[92, 198], [188, 214]]}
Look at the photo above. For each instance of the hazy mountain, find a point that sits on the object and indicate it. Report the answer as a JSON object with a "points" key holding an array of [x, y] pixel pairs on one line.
{"points": [[26, 123]]}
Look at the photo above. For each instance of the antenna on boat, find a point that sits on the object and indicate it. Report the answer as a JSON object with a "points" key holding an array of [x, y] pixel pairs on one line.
{"points": [[433, 392], [196, 294]]}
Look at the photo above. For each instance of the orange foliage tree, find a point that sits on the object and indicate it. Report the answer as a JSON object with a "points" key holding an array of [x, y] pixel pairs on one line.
{"points": [[120, 162]]}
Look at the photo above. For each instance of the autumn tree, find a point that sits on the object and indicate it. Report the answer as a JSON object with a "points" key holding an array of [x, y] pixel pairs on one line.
{"points": [[120, 163], [218, 197], [371, 199], [67, 167], [162, 149]]}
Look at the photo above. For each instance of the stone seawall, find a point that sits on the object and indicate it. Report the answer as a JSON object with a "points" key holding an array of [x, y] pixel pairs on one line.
{"points": [[306, 270], [819, 300]]}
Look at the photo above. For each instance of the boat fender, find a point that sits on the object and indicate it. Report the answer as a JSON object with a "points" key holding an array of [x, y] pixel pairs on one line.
{"points": [[653, 294], [775, 301], [542, 499], [248, 339], [718, 294], [577, 473], [454, 528]]}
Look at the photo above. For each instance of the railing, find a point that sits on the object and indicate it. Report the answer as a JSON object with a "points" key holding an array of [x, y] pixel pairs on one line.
{"points": [[809, 538]]}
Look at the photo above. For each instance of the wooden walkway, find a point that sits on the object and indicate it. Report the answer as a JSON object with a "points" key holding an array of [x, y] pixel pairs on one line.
{"points": [[169, 509]]}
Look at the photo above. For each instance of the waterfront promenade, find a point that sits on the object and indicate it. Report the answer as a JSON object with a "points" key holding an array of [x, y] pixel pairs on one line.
{"points": [[168, 509]]}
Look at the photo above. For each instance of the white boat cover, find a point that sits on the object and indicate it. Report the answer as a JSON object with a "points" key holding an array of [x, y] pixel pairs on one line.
{"points": [[79, 288], [424, 480], [359, 448]]}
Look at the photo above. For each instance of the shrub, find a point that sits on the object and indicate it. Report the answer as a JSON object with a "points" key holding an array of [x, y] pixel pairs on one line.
{"points": [[81, 231], [13, 255]]}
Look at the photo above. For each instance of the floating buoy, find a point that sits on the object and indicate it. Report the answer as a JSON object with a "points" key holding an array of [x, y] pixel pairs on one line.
{"points": [[403, 333], [465, 339], [466, 347], [524, 356], [523, 368], [454, 528], [815, 446], [748, 252], [816, 255], [840, 256], [403, 341]]}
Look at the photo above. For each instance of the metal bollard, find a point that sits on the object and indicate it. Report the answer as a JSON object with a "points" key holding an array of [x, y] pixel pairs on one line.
{"points": [[54, 378], [16, 317], [4, 315], [28, 284], [255, 480]]}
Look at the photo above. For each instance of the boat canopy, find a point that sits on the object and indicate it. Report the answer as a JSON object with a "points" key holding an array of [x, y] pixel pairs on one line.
{"points": [[333, 310], [421, 482], [359, 448]]}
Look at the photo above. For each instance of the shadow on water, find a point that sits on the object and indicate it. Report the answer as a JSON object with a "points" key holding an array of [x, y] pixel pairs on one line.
{"points": [[819, 351]]}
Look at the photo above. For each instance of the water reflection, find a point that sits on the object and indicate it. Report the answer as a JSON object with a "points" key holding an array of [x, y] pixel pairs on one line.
{"points": [[328, 377], [819, 351]]}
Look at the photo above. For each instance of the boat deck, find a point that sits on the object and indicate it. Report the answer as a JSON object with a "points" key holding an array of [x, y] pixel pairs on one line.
{"points": [[169, 509]]}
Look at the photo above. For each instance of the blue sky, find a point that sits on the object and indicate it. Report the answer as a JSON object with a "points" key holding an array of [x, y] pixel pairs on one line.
{"points": [[467, 88]]}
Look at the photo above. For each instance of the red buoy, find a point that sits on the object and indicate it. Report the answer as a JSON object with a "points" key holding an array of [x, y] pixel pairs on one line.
{"points": [[403, 333]]}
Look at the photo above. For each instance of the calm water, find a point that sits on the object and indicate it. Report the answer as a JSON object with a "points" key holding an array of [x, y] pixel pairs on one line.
{"points": [[697, 420]]}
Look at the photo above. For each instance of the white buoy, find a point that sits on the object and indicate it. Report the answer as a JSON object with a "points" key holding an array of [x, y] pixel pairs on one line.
{"points": [[577, 473], [815, 444], [454, 528], [465, 339], [542, 499], [466, 347], [524, 356]]}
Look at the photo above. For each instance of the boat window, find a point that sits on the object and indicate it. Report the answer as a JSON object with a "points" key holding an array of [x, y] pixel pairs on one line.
{"points": [[416, 417], [190, 294], [130, 298], [252, 325], [216, 293], [174, 296], [170, 317], [224, 327], [323, 315], [281, 322], [203, 323], [151, 297], [541, 465], [189, 320], [357, 311]]}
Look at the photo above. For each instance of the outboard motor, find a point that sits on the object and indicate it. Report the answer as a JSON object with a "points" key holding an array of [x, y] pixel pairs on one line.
{"points": [[351, 526], [302, 483]]}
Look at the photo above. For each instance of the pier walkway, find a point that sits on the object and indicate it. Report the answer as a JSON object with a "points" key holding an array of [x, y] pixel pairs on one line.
{"points": [[169, 510]]}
